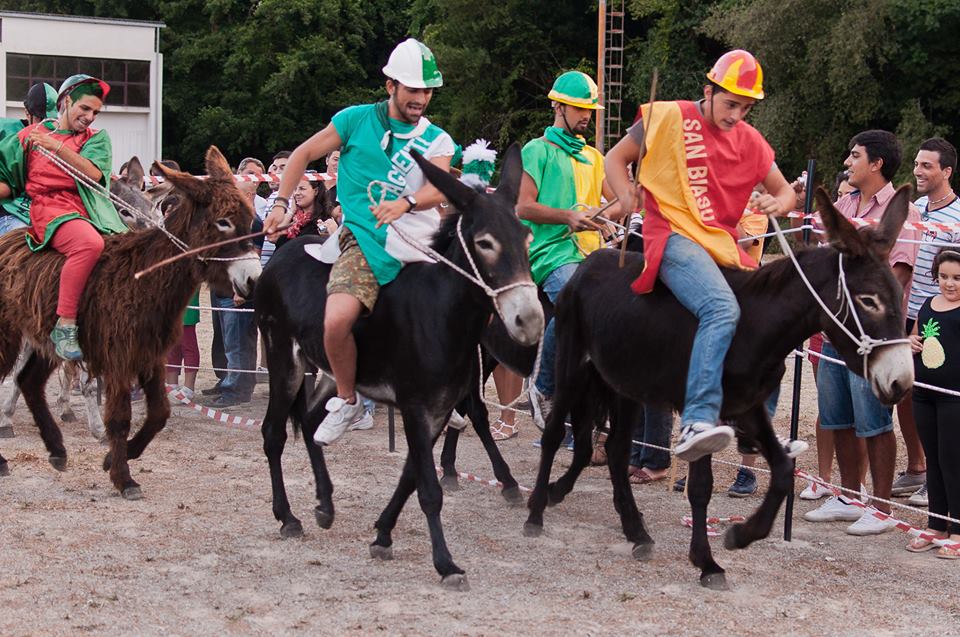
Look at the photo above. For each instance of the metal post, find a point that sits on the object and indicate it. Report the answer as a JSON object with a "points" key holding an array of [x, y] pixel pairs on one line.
{"points": [[798, 361], [392, 429]]}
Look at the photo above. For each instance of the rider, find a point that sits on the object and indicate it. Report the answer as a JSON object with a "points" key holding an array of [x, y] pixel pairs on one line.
{"points": [[701, 164], [563, 179], [64, 213], [375, 141], [41, 104]]}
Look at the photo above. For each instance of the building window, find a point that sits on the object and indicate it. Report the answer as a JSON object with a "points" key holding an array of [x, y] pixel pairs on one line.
{"points": [[129, 80]]}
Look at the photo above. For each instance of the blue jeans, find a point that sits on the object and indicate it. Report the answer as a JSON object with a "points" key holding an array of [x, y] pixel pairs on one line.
{"points": [[846, 400], [695, 280], [9, 222], [654, 428], [547, 380], [240, 343]]}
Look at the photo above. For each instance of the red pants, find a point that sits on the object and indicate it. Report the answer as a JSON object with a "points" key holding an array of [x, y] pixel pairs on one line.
{"points": [[186, 351], [80, 242]]}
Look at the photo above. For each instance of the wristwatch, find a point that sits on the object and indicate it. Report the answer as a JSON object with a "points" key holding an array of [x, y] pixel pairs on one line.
{"points": [[412, 201]]}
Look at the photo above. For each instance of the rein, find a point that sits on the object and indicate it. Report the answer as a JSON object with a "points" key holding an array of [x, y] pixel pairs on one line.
{"points": [[865, 343]]}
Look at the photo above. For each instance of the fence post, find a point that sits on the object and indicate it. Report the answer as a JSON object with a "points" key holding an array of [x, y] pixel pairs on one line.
{"points": [[798, 360]]}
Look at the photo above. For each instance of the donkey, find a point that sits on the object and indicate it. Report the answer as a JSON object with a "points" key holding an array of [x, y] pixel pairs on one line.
{"points": [[416, 350], [129, 190], [777, 313], [126, 325]]}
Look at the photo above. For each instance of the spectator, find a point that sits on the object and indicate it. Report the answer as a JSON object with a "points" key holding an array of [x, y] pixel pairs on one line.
{"points": [[333, 163], [933, 167], [268, 247], [847, 404], [935, 340], [310, 214], [186, 352]]}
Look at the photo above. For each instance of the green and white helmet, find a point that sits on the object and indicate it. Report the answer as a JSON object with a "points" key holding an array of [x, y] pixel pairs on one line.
{"points": [[413, 64]]}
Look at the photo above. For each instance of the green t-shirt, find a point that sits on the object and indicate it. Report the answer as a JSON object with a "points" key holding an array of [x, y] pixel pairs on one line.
{"points": [[552, 172], [363, 159], [18, 207]]}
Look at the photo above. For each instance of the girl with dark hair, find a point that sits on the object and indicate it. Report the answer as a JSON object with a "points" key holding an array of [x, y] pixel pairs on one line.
{"points": [[935, 341], [311, 213]]}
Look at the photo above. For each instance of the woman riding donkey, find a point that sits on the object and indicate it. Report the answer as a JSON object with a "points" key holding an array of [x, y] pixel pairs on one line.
{"points": [[65, 214], [701, 164], [375, 141]]}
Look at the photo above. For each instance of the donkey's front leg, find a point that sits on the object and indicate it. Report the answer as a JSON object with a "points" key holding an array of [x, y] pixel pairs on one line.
{"points": [[420, 429], [118, 428], [699, 489], [382, 546]]}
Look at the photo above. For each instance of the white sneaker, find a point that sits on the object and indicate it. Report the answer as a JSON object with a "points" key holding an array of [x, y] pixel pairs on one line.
{"points": [[792, 448], [456, 421], [540, 407], [701, 439], [362, 422], [340, 415], [870, 524], [814, 491], [919, 499], [833, 510]]}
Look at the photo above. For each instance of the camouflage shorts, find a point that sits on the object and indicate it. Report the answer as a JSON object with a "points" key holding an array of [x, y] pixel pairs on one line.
{"points": [[351, 274]]}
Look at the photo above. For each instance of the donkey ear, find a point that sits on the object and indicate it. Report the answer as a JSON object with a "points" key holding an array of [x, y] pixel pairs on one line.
{"points": [[193, 188], [885, 235], [459, 195], [841, 232], [135, 173], [509, 187], [217, 165]]}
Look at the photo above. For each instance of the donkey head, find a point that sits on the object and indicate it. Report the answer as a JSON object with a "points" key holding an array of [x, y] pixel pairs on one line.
{"points": [[130, 190], [211, 210], [497, 242], [876, 294]]}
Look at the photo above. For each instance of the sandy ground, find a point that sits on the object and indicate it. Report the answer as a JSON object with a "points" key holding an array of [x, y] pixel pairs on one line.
{"points": [[201, 554]]}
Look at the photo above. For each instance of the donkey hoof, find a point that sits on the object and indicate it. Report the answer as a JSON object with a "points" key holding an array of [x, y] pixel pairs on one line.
{"points": [[642, 551], [4, 469], [554, 497], [291, 529], [68, 416], [532, 530], [455, 582], [450, 484], [107, 461], [379, 552], [512, 495], [715, 581], [324, 518], [730, 539], [132, 493], [7, 431], [58, 462]]}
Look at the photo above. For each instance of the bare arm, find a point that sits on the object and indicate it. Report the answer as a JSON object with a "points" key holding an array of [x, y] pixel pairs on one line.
{"points": [[780, 197], [42, 138], [529, 210], [427, 197], [617, 167], [322, 143], [5, 192]]}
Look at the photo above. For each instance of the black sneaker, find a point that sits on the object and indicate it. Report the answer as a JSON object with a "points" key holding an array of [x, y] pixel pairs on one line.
{"points": [[216, 390], [744, 485], [680, 485]]}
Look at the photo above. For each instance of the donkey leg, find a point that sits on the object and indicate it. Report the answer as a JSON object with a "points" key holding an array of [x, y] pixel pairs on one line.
{"points": [[88, 387], [420, 437], [158, 412], [382, 546], [480, 418], [9, 351], [33, 381], [449, 481], [549, 443], [7, 411], [118, 428], [582, 452], [699, 489], [310, 413], [618, 460], [66, 376], [759, 524], [4, 467]]}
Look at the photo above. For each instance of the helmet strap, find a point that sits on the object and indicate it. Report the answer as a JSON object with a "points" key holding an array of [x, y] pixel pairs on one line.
{"points": [[566, 123]]}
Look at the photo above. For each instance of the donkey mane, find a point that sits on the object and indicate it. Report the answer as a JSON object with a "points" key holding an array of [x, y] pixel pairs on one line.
{"points": [[773, 276], [446, 234]]}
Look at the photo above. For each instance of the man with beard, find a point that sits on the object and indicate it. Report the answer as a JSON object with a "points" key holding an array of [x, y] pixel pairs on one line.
{"points": [[375, 141], [563, 179]]}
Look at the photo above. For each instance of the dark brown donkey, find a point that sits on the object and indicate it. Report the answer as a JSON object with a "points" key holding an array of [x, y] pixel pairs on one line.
{"points": [[126, 325]]}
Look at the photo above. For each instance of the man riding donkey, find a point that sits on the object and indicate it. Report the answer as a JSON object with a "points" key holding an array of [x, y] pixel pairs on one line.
{"points": [[65, 214], [378, 184], [40, 104], [700, 165]]}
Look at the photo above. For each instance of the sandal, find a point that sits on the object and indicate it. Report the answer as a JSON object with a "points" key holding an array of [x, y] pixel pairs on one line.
{"points": [[919, 545], [599, 457], [948, 552], [642, 476], [502, 431]]}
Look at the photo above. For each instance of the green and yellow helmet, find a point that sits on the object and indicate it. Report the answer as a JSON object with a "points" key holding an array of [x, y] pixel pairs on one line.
{"points": [[82, 84], [576, 89]]}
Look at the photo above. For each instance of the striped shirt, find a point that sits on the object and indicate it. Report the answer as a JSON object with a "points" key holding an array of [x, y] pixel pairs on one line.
{"points": [[923, 284]]}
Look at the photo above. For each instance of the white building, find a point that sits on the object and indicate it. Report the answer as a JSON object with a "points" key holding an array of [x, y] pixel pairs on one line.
{"points": [[38, 47]]}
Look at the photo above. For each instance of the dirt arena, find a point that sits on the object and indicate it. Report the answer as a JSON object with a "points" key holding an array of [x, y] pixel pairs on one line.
{"points": [[201, 553]]}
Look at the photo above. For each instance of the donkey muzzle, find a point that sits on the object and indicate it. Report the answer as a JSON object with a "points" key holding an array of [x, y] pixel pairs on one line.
{"points": [[522, 314]]}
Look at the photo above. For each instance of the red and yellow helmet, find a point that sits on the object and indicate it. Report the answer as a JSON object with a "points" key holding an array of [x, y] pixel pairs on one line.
{"points": [[739, 73]]}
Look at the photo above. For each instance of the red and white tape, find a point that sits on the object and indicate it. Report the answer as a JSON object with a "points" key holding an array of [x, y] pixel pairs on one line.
{"points": [[249, 424], [150, 180], [687, 521]]}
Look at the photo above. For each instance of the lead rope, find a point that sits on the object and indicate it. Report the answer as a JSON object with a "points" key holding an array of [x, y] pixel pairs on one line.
{"points": [[865, 343], [474, 278]]}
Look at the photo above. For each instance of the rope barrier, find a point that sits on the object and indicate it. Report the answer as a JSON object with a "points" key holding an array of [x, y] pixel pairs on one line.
{"points": [[150, 180], [934, 226]]}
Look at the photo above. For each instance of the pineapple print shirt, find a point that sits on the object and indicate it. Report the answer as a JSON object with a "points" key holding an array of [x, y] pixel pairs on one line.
{"points": [[939, 362]]}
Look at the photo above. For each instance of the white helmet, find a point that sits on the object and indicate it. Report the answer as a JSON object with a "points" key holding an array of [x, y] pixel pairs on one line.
{"points": [[412, 64]]}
